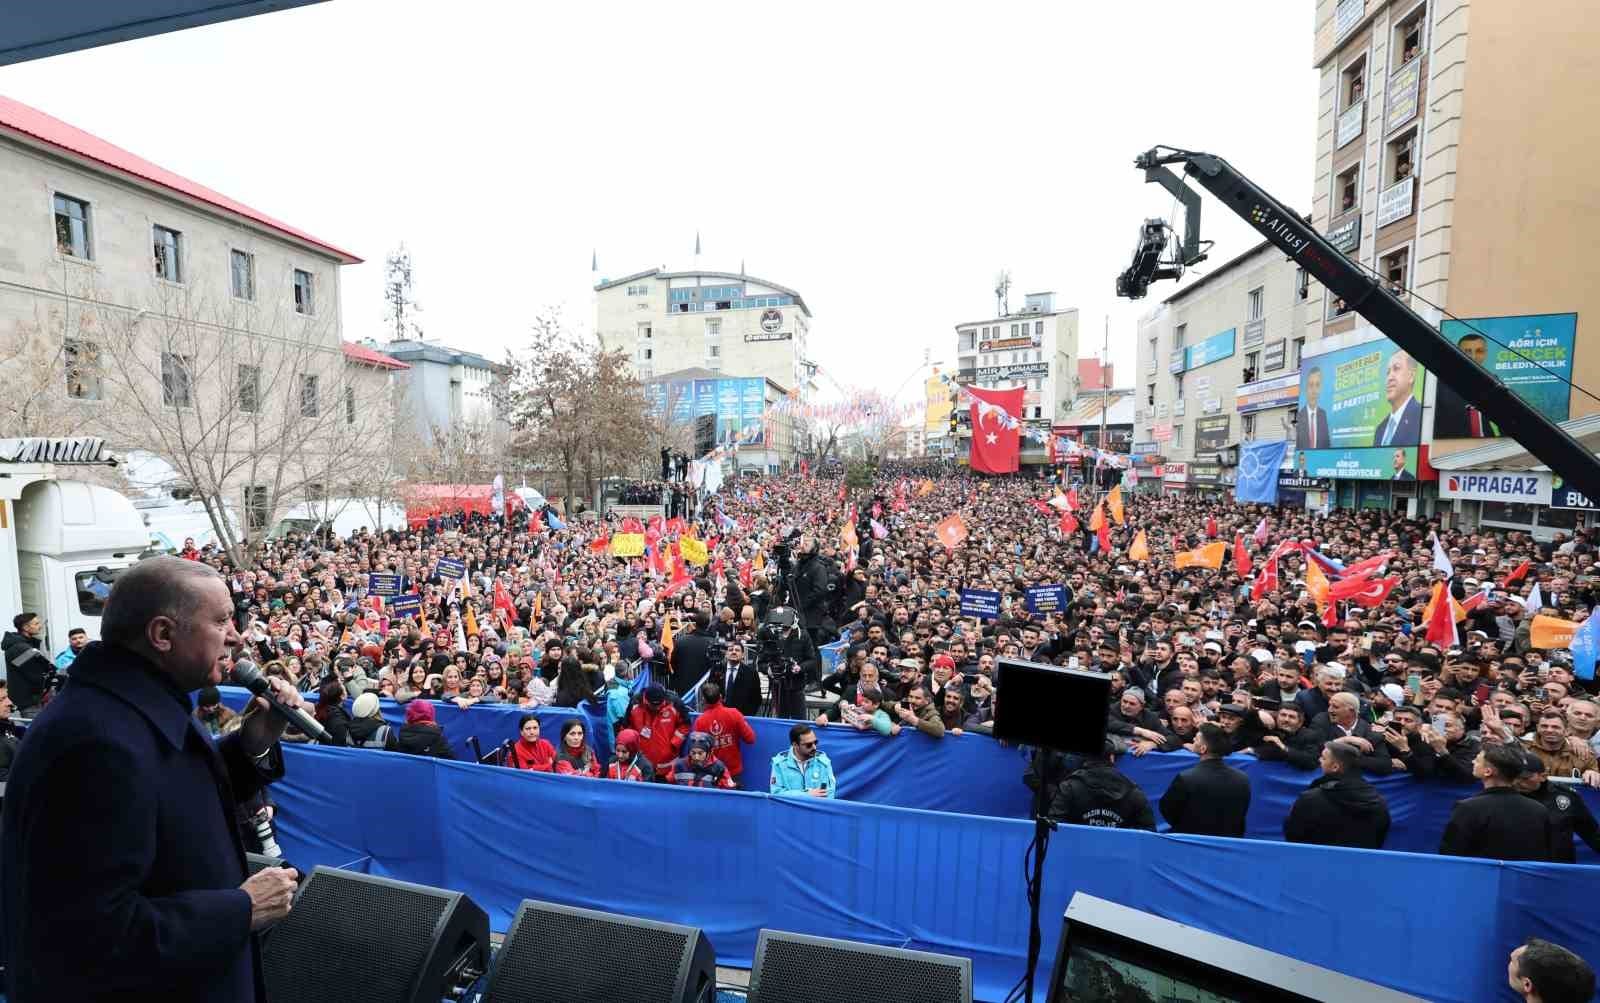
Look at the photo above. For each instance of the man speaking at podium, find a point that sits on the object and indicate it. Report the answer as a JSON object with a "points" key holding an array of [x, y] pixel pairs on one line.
{"points": [[122, 874]]}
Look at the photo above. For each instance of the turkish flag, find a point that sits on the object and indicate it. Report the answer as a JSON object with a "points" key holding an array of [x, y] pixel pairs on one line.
{"points": [[1375, 592], [1211, 528], [1351, 585], [1241, 557], [996, 438], [1516, 575], [1068, 523], [1267, 581], [1104, 536]]}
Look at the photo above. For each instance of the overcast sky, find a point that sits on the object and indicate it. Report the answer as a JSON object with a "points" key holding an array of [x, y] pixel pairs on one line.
{"points": [[885, 161]]}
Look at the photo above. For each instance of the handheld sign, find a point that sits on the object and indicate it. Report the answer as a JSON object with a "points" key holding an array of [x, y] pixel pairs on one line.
{"points": [[981, 603], [404, 606], [1046, 598], [450, 567], [383, 585]]}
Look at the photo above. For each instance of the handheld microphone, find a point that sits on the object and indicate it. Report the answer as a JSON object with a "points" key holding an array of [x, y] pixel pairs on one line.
{"points": [[247, 675]]}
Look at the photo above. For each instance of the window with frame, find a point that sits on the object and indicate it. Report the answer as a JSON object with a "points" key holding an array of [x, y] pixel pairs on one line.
{"points": [[304, 291], [82, 360], [1299, 347], [249, 386], [72, 227], [177, 380], [1177, 386], [1038, 327], [1177, 436], [1353, 84], [349, 405], [1250, 366], [1178, 334], [1393, 269], [309, 405], [1247, 427], [1408, 35], [242, 274], [166, 242], [1256, 306], [257, 510], [967, 341], [1348, 188], [1399, 156], [1150, 395]]}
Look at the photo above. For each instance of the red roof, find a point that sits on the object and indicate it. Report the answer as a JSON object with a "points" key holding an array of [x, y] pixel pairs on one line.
{"points": [[371, 357], [14, 115]]}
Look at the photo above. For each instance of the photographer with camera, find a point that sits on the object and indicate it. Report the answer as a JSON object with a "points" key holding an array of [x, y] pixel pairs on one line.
{"points": [[690, 660], [816, 579]]}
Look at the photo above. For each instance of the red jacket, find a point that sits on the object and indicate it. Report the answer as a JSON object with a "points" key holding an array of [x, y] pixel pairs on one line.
{"points": [[727, 728], [540, 758], [661, 733]]}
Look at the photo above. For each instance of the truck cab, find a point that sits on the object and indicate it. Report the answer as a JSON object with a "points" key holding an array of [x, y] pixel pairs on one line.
{"points": [[62, 541]]}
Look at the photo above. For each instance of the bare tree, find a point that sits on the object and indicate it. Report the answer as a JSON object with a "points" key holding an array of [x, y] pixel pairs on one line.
{"points": [[239, 401], [50, 380]]}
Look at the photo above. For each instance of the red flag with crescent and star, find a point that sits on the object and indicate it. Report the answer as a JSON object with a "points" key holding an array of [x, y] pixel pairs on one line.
{"points": [[996, 431]]}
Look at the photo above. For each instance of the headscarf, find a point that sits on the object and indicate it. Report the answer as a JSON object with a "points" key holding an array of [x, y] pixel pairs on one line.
{"points": [[419, 712]]}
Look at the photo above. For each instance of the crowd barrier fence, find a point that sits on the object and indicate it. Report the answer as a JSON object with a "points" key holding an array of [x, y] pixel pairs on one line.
{"points": [[734, 862], [976, 775]]}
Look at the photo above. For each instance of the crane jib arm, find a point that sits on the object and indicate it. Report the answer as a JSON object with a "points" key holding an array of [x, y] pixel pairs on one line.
{"points": [[1366, 295]]}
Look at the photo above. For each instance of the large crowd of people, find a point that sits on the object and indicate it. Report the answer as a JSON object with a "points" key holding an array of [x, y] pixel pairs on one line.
{"points": [[1209, 660]]}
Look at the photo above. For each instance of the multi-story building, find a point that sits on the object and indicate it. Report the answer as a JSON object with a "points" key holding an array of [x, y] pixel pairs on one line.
{"points": [[1036, 348], [141, 306], [1448, 163], [445, 388], [747, 421], [728, 323], [1218, 364]]}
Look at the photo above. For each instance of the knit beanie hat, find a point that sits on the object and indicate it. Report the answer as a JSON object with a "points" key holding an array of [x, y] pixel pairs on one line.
{"points": [[366, 705], [418, 710]]}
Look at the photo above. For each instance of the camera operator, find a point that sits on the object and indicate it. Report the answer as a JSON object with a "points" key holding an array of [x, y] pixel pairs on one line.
{"points": [[816, 579], [790, 660], [119, 827]]}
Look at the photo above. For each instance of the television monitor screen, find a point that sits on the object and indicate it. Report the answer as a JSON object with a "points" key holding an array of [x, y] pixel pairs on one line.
{"points": [[1050, 707], [1109, 951]]}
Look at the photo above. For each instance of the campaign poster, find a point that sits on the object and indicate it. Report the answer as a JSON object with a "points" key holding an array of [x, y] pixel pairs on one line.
{"points": [[1530, 354]]}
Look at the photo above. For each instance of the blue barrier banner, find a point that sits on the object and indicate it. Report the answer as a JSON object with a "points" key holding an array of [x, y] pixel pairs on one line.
{"points": [[975, 775], [981, 603], [1436, 927]]}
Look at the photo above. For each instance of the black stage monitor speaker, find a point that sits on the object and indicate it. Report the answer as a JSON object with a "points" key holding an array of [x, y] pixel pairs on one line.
{"points": [[558, 952], [1050, 707], [795, 968], [355, 938]]}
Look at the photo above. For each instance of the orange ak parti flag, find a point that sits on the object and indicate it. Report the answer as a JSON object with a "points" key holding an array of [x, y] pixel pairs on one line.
{"points": [[1139, 550], [1208, 556], [951, 530], [1099, 518], [1317, 583], [1114, 502], [1551, 632]]}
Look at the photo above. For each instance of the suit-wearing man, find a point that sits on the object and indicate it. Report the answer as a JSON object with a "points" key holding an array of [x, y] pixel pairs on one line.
{"points": [[1403, 427], [119, 824], [1210, 798], [1311, 420], [741, 686], [1343, 720], [688, 659]]}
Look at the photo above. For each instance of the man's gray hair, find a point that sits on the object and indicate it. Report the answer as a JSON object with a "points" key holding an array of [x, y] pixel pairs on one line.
{"points": [[1346, 700], [1330, 671], [156, 586]]}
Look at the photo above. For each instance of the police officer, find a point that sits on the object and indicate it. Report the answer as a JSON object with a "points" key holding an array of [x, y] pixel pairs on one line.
{"points": [[1098, 795], [1500, 823], [1569, 815]]}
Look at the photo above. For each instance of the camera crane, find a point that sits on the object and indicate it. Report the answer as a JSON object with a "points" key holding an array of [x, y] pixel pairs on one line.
{"points": [[1361, 291]]}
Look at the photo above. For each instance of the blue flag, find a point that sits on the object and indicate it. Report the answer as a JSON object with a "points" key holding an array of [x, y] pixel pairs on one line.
{"points": [[1258, 471], [1585, 646], [553, 522]]}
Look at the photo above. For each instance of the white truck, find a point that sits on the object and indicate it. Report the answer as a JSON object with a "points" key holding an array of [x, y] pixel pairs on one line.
{"points": [[62, 541]]}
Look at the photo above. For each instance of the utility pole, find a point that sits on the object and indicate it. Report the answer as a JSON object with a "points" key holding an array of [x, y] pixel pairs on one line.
{"points": [[1105, 384]]}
